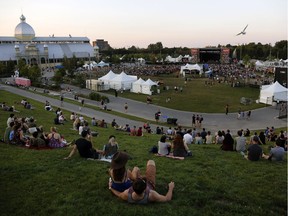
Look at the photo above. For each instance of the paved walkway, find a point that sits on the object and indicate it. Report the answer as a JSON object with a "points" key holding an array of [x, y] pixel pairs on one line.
{"points": [[260, 118]]}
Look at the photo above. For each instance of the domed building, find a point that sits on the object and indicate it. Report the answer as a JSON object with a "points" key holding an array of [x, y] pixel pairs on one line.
{"points": [[45, 51], [24, 31]]}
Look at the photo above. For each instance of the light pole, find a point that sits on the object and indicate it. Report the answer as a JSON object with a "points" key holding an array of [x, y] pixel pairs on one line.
{"points": [[90, 72]]}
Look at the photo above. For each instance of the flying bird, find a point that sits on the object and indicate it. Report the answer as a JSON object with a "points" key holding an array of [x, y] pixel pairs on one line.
{"points": [[243, 32]]}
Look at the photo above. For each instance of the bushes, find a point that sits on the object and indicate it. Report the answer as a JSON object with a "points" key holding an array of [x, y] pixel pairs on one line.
{"points": [[97, 97]]}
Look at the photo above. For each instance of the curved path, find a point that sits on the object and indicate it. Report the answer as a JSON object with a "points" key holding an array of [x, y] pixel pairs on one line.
{"points": [[260, 118]]}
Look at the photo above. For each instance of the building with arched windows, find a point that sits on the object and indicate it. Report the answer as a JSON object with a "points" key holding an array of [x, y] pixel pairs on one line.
{"points": [[44, 51]]}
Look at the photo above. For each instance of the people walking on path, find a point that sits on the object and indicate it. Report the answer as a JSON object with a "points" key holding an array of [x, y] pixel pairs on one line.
{"points": [[126, 107], [226, 109], [61, 99]]}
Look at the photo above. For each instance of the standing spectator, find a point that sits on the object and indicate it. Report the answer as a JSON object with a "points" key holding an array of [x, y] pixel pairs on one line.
{"points": [[193, 120], [226, 109], [157, 115], [126, 107], [248, 114], [61, 99]]}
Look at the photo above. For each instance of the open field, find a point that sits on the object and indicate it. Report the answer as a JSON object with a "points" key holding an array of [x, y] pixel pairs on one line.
{"points": [[211, 182], [198, 96]]}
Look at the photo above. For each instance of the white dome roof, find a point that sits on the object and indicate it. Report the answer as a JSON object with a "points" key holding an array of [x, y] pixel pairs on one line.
{"points": [[23, 30]]}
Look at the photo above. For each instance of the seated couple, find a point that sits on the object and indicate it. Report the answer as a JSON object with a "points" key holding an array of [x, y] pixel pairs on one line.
{"points": [[130, 186], [179, 148], [84, 146]]}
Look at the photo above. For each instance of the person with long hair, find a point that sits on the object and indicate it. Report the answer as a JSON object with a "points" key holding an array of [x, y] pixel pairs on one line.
{"points": [[180, 149], [111, 148], [228, 143], [122, 178]]}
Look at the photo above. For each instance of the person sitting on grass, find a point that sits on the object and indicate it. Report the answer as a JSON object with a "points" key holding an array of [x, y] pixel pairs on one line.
{"points": [[180, 149], [139, 132], [111, 148], [143, 189], [16, 136], [164, 147], [255, 152], [84, 146], [54, 138], [121, 178], [7, 132], [276, 154], [228, 143], [240, 142], [36, 141]]}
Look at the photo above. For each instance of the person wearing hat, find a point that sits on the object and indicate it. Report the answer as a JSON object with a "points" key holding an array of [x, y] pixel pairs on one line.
{"points": [[84, 147], [143, 189], [255, 152], [121, 177]]}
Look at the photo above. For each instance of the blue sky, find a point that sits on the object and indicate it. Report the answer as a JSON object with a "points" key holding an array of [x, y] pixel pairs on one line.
{"points": [[186, 23]]}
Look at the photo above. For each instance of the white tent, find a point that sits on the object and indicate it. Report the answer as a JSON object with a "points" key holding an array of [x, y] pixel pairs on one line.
{"points": [[259, 64], [102, 64], [137, 86], [122, 81], [146, 87], [106, 78], [189, 67], [273, 92]]}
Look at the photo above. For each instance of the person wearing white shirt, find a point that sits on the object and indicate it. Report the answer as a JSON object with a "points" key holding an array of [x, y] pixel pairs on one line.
{"points": [[187, 138]]}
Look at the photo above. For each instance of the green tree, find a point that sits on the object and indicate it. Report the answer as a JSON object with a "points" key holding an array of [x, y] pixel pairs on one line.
{"points": [[34, 74]]}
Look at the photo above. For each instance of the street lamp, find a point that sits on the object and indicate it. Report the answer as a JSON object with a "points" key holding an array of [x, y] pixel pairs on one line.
{"points": [[90, 72]]}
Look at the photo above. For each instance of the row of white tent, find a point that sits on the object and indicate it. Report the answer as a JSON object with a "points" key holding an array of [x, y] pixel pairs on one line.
{"points": [[123, 81], [274, 92], [265, 64], [93, 64], [178, 59]]}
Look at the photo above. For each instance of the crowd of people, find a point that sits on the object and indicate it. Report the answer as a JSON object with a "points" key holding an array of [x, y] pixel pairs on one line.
{"points": [[173, 143]]}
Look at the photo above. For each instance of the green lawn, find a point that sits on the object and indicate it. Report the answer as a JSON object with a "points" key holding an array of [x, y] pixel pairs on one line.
{"points": [[199, 97], [211, 182]]}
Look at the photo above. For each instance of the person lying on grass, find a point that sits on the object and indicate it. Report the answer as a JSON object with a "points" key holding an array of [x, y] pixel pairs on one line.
{"points": [[84, 147], [143, 189]]}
